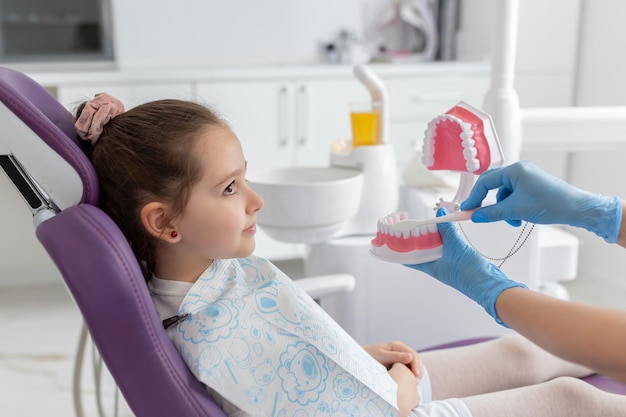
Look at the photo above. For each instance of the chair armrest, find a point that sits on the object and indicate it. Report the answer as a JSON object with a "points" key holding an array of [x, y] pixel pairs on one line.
{"points": [[319, 286]]}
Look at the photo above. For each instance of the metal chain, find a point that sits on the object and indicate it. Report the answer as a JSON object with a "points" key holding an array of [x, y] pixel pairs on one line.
{"points": [[514, 249]]}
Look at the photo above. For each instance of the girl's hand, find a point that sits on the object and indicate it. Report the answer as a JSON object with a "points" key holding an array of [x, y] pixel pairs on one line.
{"points": [[391, 353], [408, 395]]}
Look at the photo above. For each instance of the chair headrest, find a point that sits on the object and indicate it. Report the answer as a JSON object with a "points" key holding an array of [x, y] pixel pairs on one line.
{"points": [[38, 140]]}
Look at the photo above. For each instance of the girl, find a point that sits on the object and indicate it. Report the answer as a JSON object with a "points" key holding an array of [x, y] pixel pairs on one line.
{"points": [[172, 176]]}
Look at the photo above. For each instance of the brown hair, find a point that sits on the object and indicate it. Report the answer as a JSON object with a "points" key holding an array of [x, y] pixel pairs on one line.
{"points": [[146, 154]]}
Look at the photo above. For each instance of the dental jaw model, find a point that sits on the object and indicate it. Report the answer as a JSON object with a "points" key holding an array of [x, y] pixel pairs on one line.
{"points": [[462, 140]]}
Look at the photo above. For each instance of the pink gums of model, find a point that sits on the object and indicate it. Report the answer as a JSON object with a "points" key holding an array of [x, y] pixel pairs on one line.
{"points": [[462, 140], [421, 244]]}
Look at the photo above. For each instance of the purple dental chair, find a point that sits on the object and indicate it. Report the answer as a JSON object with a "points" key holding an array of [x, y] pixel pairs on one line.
{"points": [[42, 156], [40, 153]]}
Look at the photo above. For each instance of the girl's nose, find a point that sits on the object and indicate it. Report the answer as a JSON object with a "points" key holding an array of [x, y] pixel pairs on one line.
{"points": [[256, 201]]}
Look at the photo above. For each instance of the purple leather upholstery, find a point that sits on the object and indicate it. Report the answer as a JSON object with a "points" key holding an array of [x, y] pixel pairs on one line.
{"points": [[104, 279], [599, 381]]}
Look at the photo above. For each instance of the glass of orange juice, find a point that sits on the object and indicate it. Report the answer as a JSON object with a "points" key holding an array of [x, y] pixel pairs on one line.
{"points": [[365, 120]]}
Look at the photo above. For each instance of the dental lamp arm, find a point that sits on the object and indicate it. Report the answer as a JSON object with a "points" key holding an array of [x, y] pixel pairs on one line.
{"points": [[527, 193]]}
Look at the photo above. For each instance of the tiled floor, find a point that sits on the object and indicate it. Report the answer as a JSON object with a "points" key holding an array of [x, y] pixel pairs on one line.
{"points": [[40, 330]]}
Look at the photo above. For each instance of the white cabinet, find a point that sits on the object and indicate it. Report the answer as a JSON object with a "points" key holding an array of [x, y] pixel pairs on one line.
{"points": [[327, 116], [293, 120], [287, 122], [258, 113]]}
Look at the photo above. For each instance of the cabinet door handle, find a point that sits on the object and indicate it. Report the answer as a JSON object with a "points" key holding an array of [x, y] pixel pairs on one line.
{"points": [[302, 108], [283, 117]]}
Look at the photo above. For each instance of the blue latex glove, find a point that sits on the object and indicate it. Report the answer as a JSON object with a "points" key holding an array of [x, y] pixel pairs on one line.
{"points": [[465, 270], [528, 193]]}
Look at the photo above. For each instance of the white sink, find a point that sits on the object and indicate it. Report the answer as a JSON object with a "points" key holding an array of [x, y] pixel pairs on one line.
{"points": [[306, 204]]}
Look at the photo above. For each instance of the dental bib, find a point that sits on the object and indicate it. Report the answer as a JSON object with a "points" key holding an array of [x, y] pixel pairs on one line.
{"points": [[261, 342]]}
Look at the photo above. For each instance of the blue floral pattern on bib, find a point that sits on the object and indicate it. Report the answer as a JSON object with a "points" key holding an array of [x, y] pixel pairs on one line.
{"points": [[261, 342]]}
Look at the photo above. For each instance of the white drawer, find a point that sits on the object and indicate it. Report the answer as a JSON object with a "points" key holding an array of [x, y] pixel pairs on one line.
{"points": [[424, 98]]}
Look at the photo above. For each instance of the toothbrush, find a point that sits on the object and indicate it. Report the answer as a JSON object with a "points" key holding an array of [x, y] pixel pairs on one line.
{"points": [[409, 224]]}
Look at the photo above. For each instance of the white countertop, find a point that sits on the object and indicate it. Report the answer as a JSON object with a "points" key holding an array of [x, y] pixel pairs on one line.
{"points": [[169, 73]]}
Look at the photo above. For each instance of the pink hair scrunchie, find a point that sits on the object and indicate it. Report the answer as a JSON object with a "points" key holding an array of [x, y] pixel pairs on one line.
{"points": [[96, 113]]}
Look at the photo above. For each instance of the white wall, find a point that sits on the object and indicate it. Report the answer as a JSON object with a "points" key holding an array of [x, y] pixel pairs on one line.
{"points": [[601, 82], [602, 63], [546, 51], [157, 32]]}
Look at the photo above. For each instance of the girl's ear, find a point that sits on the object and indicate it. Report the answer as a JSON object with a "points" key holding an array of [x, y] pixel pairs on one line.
{"points": [[155, 220]]}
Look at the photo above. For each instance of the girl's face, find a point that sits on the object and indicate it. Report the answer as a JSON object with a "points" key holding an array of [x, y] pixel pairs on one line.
{"points": [[219, 220]]}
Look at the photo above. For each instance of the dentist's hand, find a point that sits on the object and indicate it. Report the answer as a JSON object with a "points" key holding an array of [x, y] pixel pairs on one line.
{"points": [[464, 269], [528, 193]]}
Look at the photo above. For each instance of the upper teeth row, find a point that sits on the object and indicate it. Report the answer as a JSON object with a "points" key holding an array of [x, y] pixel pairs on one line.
{"points": [[472, 163], [394, 218]]}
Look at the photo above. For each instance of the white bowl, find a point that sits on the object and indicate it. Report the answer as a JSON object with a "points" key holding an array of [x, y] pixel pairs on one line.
{"points": [[306, 204]]}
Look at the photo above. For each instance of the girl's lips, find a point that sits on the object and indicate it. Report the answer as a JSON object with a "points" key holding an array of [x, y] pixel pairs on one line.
{"points": [[251, 229]]}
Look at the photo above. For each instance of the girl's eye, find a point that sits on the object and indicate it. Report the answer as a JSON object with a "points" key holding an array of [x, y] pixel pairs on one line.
{"points": [[230, 190]]}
